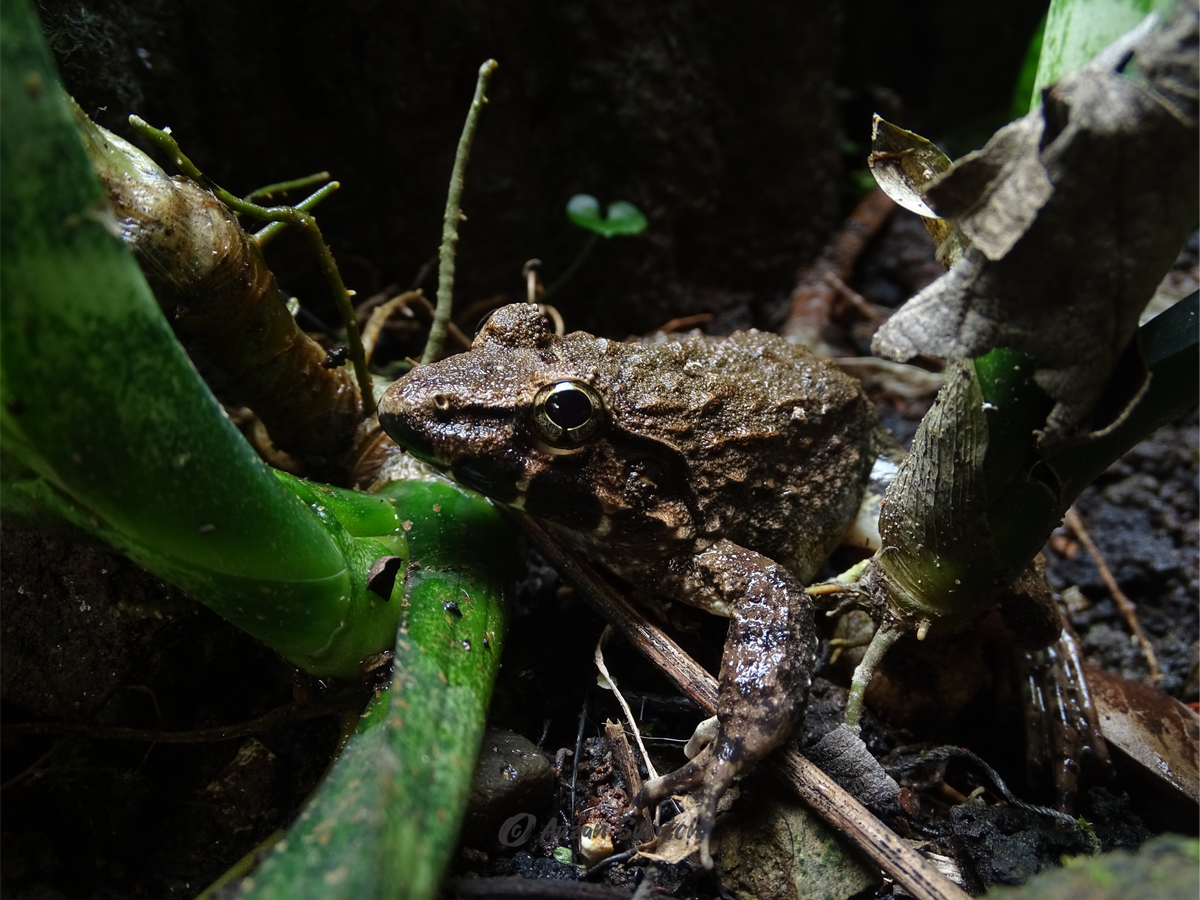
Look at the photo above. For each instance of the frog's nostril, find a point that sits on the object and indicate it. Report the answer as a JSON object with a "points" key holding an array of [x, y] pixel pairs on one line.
{"points": [[440, 401]]}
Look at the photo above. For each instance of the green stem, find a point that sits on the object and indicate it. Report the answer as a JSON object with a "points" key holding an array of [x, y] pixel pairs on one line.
{"points": [[1171, 353], [574, 266], [265, 234], [886, 635], [445, 293], [282, 187], [293, 216]]}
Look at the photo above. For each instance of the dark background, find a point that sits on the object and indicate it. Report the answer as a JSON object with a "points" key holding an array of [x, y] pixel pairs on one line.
{"points": [[732, 125]]}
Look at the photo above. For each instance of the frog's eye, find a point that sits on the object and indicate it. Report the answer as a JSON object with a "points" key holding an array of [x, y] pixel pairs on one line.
{"points": [[567, 413]]}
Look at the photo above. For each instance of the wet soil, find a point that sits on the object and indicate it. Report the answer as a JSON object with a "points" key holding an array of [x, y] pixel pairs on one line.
{"points": [[92, 641]]}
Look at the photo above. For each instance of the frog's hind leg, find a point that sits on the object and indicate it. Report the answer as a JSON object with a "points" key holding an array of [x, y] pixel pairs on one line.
{"points": [[766, 668]]}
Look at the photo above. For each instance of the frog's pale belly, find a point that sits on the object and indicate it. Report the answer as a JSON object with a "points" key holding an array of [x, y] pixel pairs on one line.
{"points": [[691, 468]]}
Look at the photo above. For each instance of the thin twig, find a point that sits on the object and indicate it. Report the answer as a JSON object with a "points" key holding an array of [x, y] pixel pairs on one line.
{"points": [[380, 315], [445, 292], [813, 295], [823, 795], [1127, 606], [532, 283], [294, 216], [574, 267], [612, 682], [265, 234], [854, 298], [34, 767]]}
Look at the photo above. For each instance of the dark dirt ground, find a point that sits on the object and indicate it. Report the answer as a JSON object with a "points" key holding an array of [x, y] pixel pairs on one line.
{"points": [[740, 168]]}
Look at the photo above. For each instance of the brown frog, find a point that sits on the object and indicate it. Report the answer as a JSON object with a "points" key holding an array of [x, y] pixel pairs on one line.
{"points": [[717, 472]]}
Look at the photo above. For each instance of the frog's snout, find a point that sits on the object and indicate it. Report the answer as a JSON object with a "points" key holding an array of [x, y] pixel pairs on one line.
{"points": [[404, 418]]}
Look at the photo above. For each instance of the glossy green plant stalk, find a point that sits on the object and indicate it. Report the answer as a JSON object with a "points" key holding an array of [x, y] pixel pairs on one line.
{"points": [[385, 821], [105, 423], [977, 499]]}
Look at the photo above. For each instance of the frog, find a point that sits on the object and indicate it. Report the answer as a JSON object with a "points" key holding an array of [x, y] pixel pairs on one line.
{"points": [[719, 472]]}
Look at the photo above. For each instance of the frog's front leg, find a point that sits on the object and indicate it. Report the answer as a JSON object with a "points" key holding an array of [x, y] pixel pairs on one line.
{"points": [[766, 669]]}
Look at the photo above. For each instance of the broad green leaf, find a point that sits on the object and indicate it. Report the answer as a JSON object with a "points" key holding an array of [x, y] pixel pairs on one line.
{"points": [[625, 218], [622, 217], [385, 821], [104, 422], [1076, 30]]}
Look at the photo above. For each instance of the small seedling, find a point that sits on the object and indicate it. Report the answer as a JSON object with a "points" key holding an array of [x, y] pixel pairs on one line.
{"points": [[621, 218]]}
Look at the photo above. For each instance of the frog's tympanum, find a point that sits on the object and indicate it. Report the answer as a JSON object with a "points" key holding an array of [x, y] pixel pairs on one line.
{"points": [[718, 472]]}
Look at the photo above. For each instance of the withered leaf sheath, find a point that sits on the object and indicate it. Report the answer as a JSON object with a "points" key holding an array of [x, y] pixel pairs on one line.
{"points": [[1074, 212], [225, 306], [939, 561]]}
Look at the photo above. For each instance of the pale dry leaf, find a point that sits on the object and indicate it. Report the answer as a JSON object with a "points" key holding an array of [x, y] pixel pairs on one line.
{"points": [[1076, 212], [904, 164], [679, 838]]}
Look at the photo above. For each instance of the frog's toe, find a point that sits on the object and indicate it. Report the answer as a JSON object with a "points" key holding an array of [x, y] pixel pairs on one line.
{"points": [[682, 780], [720, 775], [706, 733]]}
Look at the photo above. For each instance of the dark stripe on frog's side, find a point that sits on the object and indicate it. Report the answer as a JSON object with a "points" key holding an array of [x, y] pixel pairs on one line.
{"points": [[667, 467], [656, 478], [566, 490]]}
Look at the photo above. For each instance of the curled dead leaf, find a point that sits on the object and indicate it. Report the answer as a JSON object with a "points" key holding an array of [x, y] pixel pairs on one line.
{"points": [[1076, 212]]}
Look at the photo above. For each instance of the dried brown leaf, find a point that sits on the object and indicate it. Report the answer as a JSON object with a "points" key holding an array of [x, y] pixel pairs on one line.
{"points": [[1075, 212], [1151, 728]]}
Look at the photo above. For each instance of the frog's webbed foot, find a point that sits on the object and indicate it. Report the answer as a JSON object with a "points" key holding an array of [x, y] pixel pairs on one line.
{"points": [[712, 771], [766, 668]]}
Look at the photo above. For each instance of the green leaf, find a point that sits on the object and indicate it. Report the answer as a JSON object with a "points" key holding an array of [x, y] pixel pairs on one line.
{"points": [[1024, 91], [385, 821], [105, 423], [622, 217], [1076, 30], [584, 211], [625, 218]]}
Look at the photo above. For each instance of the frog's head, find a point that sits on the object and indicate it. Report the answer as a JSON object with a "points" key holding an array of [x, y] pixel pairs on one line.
{"points": [[522, 418]]}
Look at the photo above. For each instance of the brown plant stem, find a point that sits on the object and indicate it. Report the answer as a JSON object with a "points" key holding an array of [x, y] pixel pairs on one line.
{"points": [[445, 291]]}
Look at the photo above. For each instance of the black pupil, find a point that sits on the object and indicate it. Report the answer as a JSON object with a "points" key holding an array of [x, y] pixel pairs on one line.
{"points": [[568, 408]]}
